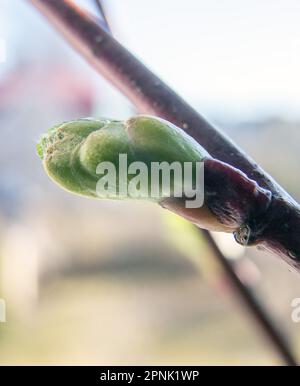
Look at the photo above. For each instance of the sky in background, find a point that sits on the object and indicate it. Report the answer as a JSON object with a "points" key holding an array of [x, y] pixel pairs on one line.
{"points": [[236, 57]]}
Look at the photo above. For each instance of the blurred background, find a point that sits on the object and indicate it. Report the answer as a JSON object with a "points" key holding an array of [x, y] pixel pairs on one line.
{"points": [[103, 282]]}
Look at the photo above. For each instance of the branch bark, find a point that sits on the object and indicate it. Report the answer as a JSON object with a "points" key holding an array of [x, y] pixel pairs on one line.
{"points": [[277, 229]]}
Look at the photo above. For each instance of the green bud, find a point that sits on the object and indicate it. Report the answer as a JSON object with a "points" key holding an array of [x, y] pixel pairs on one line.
{"points": [[72, 151]]}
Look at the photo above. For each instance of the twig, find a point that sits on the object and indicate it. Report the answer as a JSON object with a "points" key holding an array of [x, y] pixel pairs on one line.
{"points": [[254, 308], [102, 13], [152, 96]]}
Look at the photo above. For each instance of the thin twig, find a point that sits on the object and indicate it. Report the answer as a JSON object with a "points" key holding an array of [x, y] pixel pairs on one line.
{"points": [[152, 96], [102, 13], [254, 308]]}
